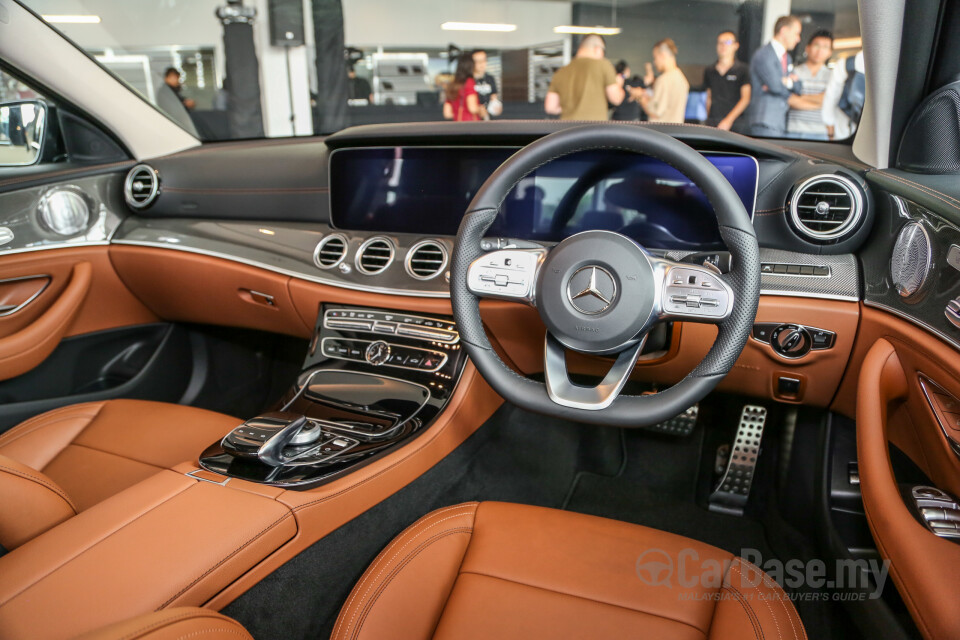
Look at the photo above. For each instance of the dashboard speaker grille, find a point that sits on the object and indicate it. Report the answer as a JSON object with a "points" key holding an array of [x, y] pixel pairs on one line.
{"points": [[141, 187], [374, 256], [826, 208], [911, 259], [426, 259], [330, 251]]}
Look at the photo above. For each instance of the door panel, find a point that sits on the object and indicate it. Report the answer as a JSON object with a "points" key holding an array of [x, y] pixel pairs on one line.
{"points": [[892, 408], [17, 293]]}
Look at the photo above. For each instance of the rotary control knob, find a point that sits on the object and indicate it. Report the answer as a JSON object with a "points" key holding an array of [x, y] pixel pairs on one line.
{"points": [[791, 341], [377, 353]]}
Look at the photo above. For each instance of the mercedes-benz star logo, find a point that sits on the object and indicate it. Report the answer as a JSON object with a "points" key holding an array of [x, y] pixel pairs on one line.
{"points": [[591, 290]]}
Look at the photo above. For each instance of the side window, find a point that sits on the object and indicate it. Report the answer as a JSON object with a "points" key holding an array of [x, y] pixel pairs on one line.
{"points": [[37, 130]]}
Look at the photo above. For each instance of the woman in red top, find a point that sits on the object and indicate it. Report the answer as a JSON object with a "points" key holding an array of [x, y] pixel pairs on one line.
{"points": [[462, 102]]}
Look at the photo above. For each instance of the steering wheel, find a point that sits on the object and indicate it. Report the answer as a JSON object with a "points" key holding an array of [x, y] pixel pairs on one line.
{"points": [[599, 292]]}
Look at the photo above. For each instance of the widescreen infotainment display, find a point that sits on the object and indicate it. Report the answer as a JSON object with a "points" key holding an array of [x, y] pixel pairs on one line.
{"points": [[426, 190]]}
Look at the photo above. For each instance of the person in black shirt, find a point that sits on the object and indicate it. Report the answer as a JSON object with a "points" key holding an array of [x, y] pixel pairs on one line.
{"points": [[728, 85], [629, 109], [358, 88], [172, 77], [486, 86]]}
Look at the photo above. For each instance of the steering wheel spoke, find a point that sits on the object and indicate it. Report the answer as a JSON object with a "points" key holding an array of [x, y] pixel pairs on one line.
{"points": [[567, 394], [690, 292], [507, 274]]}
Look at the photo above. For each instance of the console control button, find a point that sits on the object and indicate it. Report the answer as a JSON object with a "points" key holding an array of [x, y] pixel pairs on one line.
{"points": [[381, 353]]}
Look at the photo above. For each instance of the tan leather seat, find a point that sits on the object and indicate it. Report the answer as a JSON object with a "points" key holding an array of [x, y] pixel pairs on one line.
{"points": [[173, 624], [66, 460], [495, 570]]}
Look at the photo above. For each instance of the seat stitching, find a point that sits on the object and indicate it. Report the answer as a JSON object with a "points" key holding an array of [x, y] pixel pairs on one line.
{"points": [[92, 545], [18, 432], [170, 619], [405, 545], [921, 187], [780, 593], [410, 557], [766, 604], [263, 532], [574, 595], [933, 193], [52, 487], [383, 554], [748, 609]]}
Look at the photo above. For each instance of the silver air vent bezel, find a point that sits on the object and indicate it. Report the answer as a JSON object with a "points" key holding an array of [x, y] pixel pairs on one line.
{"points": [[358, 259], [323, 243], [407, 263], [849, 225], [128, 186]]}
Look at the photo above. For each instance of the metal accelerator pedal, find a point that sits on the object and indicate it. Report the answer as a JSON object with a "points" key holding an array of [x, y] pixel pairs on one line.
{"points": [[731, 493]]}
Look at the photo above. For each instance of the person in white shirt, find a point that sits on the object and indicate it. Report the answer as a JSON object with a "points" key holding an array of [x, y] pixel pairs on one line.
{"points": [[839, 124]]}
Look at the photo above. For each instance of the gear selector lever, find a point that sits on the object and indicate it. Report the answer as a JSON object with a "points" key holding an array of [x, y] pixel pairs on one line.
{"points": [[266, 436]]}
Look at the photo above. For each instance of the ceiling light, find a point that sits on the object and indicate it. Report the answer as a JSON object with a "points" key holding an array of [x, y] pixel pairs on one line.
{"points": [[75, 19], [600, 31], [477, 26], [848, 43]]}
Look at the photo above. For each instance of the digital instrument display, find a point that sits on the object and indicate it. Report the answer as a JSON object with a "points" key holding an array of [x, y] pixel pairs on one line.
{"points": [[426, 190]]}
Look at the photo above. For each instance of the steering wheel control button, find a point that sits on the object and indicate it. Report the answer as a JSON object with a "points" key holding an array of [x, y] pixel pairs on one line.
{"points": [[591, 290], [505, 274], [695, 293]]}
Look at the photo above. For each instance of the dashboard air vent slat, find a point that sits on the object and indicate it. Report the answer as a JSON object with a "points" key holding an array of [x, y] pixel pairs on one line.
{"points": [[141, 186], [330, 251], [426, 259], [374, 256], [826, 208]]}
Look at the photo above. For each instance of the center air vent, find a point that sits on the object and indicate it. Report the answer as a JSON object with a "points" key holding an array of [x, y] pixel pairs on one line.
{"points": [[426, 259], [330, 251], [141, 186], [374, 256], [826, 208]]}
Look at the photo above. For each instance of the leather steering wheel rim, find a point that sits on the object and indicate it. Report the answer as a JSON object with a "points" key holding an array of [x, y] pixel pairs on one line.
{"points": [[736, 230]]}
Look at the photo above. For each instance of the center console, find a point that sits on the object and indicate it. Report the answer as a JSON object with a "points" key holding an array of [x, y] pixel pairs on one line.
{"points": [[372, 379]]}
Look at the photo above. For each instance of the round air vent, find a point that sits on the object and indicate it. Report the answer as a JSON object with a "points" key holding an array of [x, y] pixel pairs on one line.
{"points": [[426, 259], [826, 208], [141, 186], [911, 259], [374, 256], [330, 251]]}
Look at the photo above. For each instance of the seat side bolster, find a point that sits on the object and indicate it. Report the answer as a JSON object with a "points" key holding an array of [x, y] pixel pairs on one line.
{"points": [[173, 624], [410, 581], [751, 605], [32, 503]]}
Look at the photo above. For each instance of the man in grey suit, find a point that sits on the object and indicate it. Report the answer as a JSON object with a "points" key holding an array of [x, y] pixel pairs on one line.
{"points": [[772, 81]]}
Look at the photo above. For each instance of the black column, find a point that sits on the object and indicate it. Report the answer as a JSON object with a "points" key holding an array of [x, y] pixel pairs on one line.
{"points": [[244, 113], [332, 89], [751, 28]]}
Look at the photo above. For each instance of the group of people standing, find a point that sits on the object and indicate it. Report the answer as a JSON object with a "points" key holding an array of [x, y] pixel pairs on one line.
{"points": [[770, 97]]}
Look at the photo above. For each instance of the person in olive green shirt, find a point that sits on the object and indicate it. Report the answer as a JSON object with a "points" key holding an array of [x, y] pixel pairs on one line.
{"points": [[584, 89], [668, 101]]}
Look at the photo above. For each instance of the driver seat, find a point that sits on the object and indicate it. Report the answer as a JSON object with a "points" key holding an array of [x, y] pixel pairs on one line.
{"points": [[498, 570]]}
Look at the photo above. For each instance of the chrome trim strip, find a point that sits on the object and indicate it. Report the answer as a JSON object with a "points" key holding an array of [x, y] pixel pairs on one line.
{"points": [[920, 323], [40, 276], [56, 246], [190, 474], [925, 383], [805, 294]]}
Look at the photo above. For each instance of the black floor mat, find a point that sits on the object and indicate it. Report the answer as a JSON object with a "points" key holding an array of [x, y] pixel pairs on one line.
{"points": [[521, 457]]}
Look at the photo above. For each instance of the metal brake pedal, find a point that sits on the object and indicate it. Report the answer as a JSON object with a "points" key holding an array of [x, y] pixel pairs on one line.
{"points": [[731, 493], [681, 425]]}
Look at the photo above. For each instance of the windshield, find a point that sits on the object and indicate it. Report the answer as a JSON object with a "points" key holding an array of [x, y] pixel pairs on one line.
{"points": [[276, 68]]}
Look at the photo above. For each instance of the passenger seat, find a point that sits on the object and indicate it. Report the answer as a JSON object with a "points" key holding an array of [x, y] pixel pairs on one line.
{"points": [[64, 461]]}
